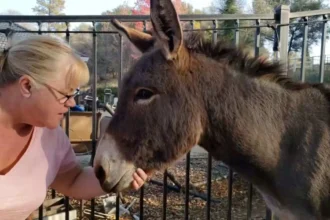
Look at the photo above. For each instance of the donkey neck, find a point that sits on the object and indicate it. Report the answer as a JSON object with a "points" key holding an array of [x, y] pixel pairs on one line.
{"points": [[245, 118]]}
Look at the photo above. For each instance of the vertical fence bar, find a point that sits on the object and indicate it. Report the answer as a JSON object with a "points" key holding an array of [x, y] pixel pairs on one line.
{"points": [[209, 185], [117, 206], [165, 173], [277, 57], [257, 39], [141, 202], [164, 195], [94, 108], [268, 214], [144, 26], [186, 204], [41, 212], [209, 156], [41, 208], [282, 16], [249, 205], [67, 126], [323, 43], [230, 192], [276, 42], [230, 175], [256, 54], [121, 62], [142, 188], [9, 30], [119, 84], [187, 180], [94, 83], [53, 191], [304, 51], [39, 28], [237, 32]]}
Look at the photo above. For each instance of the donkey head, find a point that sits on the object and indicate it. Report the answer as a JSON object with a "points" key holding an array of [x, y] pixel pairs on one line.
{"points": [[158, 117]]}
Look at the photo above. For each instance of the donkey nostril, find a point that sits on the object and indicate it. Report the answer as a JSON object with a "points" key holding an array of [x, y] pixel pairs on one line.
{"points": [[100, 174]]}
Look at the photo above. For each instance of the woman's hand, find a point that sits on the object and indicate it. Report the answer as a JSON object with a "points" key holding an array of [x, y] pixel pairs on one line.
{"points": [[139, 179]]}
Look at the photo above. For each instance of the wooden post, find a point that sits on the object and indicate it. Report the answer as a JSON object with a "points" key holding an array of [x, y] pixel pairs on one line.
{"points": [[282, 19], [281, 41]]}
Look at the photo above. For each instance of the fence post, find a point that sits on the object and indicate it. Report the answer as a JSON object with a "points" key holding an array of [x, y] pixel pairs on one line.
{"points": [[281, 41], [282, 17]]}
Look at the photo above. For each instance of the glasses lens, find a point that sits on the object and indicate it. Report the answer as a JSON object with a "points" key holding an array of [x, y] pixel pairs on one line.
{"points": [[65, 99]]}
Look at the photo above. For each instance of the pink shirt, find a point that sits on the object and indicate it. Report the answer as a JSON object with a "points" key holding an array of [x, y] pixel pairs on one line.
{"points": [[23, 189]]}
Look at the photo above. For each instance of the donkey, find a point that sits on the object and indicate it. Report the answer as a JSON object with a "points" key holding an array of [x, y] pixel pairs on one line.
{"points": [[185, 91]]}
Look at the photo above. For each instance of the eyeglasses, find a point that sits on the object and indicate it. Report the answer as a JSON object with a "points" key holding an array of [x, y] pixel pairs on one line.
{"points": [[66, 97], [62, 100]]}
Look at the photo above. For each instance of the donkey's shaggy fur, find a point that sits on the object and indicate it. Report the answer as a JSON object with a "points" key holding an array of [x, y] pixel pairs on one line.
{"points": [[242, 109]]}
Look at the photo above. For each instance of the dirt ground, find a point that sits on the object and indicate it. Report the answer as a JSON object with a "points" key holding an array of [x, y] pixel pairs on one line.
{"points": [[153, 196]]}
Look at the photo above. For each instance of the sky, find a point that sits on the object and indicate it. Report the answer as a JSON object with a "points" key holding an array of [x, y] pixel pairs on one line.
{"points": [[77, 7], [96, 7]]}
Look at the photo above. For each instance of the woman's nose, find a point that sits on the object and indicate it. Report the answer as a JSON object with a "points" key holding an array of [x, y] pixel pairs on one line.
{"points": [[70, 102]]}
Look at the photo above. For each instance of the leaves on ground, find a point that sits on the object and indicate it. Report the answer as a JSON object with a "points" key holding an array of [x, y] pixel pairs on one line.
{"points": [[175, 206]]}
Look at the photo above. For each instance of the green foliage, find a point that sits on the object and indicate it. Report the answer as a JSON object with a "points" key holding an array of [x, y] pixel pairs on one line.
{"points": [[295, 31], [51, 7], [230, 7], [246, 36], [312, 74], [108, 45]]}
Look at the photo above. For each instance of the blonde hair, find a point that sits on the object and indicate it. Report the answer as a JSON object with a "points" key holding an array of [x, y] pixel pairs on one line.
{"points": [[43, 58]]}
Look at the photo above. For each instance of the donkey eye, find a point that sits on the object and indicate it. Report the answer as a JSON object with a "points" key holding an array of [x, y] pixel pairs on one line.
{"points": [[144, 94]]}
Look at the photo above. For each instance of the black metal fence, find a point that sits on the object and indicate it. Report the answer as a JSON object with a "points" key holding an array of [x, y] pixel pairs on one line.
{"points": [[278, 23]]}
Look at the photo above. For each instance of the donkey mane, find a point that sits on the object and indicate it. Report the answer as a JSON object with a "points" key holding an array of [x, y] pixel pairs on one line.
{"points": [[241, 60]]}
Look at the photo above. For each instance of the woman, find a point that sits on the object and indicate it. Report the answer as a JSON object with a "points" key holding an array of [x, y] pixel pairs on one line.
{"points": [[39, 77]]}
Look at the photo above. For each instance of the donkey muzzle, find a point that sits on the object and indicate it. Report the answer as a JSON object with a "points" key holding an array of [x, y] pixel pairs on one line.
{"points": [[113, 172]]}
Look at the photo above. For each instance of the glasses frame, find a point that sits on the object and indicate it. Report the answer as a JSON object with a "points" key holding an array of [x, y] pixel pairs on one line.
{"points": [[65, 97]]}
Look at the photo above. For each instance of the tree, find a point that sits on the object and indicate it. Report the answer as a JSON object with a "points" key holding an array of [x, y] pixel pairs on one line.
{"points": [[246, 36], [295, 31], [123, 9], [142, 7], [108, 44], [108, 47], [230, 7], [11, 12], [29, 26], [82, 43], [51, 7], [183, 7]]}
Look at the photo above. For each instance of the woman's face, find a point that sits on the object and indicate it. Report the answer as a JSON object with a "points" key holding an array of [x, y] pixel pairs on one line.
{"points": [[50, 101]]}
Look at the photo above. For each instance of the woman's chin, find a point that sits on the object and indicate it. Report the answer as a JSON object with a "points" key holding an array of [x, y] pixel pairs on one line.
{"points": [[52, 124]]}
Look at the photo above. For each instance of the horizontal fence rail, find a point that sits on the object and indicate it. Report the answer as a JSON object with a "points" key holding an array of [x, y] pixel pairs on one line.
{"points": [[128, 18], [278, 23]]}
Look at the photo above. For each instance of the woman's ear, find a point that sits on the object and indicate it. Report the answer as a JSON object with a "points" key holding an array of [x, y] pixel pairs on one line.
{"points": [[25, 85]]}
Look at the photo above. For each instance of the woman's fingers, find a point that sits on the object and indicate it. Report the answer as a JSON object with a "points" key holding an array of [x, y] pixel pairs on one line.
{"points": [[135, 185], [142, 174], [139, 178]]}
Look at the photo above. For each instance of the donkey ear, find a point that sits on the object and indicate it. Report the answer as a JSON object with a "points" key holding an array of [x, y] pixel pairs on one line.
{"points": [[141, 40], [166, 24]]}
